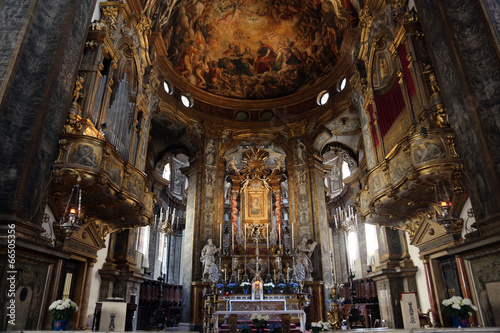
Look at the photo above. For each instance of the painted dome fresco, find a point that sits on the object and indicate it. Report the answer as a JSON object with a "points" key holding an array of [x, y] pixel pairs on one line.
{"points": [[256, 49]]}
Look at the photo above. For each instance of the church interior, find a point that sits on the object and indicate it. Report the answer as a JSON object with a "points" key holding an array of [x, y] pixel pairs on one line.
{"points": [[170, 164]]}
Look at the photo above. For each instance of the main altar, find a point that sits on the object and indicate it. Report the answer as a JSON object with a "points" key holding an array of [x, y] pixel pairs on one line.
{"points": [[258, 268]]}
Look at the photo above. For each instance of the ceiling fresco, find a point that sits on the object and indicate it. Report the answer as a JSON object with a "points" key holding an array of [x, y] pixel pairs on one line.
{"points": [[257, 49]]}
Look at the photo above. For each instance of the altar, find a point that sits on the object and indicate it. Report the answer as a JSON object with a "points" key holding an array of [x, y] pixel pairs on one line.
{"points": [[277, 314]]}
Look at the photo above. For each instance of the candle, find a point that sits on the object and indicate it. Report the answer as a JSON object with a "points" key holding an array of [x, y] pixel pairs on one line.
{"points": [[232, 236], [220, 235], [279, 237], [245, 239], [267, 237], [291, 228]]}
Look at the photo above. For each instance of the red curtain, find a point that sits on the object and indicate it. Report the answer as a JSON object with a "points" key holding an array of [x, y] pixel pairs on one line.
{"points": [[389, 107], [406, 70], [372, 124]]}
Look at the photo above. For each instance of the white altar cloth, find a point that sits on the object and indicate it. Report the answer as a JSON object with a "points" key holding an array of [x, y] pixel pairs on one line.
{"points": [[300, 313]]}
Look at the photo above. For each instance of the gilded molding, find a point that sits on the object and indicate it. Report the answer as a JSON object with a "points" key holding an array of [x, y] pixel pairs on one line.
{"points": [[296, 129]]}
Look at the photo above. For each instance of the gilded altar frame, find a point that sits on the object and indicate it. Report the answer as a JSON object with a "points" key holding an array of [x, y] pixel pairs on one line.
{"points": [[256, 203]]}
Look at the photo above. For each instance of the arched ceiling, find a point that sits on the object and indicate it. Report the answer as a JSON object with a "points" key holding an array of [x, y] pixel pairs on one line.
{"points": [[261, 57]]}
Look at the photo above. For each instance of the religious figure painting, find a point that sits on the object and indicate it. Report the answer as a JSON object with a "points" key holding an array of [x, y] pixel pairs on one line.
{"points": [[227, 47], [256, 206]]}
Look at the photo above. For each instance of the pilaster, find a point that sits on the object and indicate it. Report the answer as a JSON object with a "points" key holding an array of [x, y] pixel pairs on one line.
{"points": [[395, 275]]}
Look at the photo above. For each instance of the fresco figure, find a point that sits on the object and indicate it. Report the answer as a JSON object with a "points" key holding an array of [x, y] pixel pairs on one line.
{"points": [[266, 58]]}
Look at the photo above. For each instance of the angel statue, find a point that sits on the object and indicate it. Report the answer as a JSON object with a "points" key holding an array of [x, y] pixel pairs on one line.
{"points": [[304, 252]]}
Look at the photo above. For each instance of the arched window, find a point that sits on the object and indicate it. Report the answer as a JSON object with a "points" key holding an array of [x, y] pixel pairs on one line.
{"points": [[352, 249], [371, 239], [167, 172]]}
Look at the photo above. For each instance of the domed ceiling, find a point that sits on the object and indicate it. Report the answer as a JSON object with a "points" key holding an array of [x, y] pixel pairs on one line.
{"points": [[258, 49]]}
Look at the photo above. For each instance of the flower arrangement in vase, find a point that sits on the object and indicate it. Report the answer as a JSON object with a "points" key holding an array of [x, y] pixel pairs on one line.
{"points": [[246, 286], [268, 287], [231, 286], [459, 309], [320, 326], [281, 287], [245, 328], [259, 320], [294, 287], [62, 312], [274, 328], [220, 288]]}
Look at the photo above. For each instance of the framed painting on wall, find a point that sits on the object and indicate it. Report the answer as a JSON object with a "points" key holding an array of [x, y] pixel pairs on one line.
{"points": [[256, 205]]}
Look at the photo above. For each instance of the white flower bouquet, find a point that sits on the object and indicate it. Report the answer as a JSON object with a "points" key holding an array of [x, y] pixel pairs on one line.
{"points": [[458, 307], [245, 285], [268, 286], [259, 319], [320, 326], [63, 310]]}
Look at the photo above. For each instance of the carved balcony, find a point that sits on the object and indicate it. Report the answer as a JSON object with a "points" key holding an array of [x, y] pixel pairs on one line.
{"points": [[115, 193], [401, 188]]}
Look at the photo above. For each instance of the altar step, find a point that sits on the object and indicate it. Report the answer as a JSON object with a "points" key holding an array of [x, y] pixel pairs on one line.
{"points": [[224, 328]]}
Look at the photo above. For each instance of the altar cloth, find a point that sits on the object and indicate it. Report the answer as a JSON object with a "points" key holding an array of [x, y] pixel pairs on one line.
{"points": [[247, 314]]}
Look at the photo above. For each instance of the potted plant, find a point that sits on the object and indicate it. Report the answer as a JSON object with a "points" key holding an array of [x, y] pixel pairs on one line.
{"points": [[281, 287], [320, 326], [231, 286], [62, 312], [246, 286], [245, 328], [274, 328], [220, 288], [459, 309], [294, 287], [268, 287], [259, 320]]}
